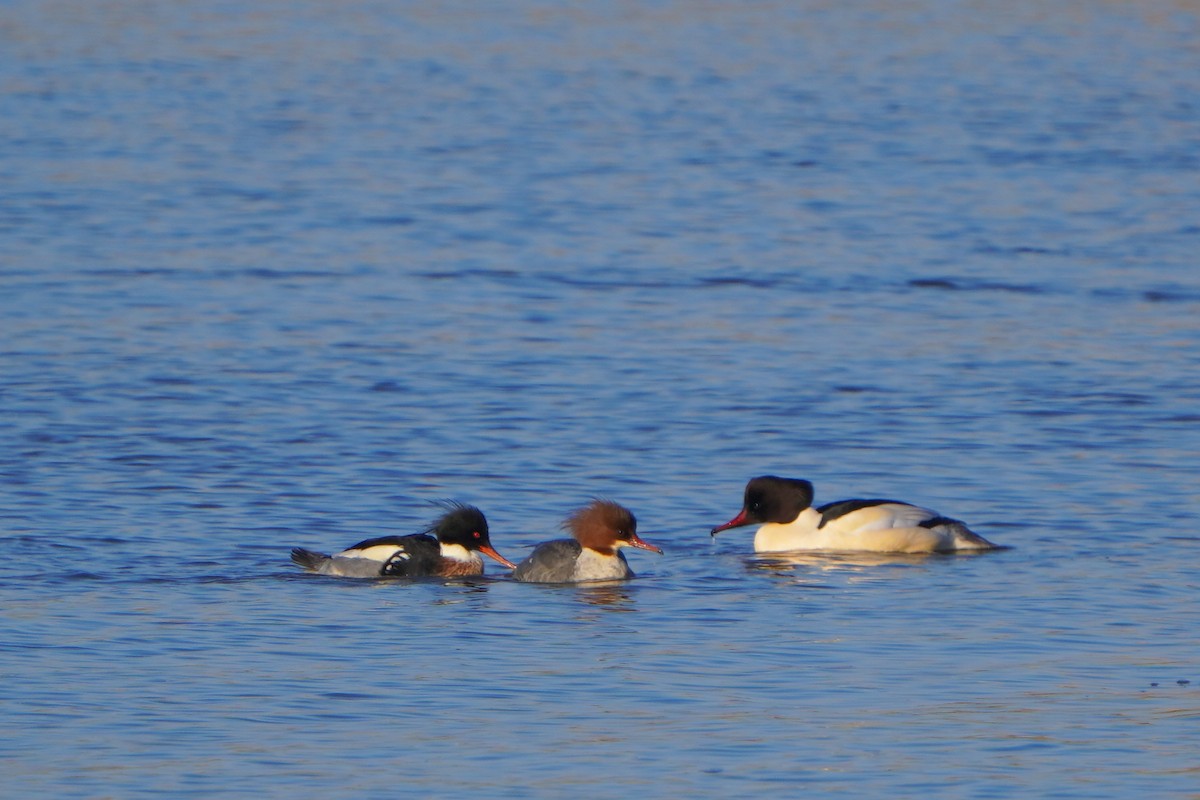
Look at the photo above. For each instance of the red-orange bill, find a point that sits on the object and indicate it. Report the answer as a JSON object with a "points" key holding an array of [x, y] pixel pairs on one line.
{"points": [[736, 522], [491, 551], [634, 541]]}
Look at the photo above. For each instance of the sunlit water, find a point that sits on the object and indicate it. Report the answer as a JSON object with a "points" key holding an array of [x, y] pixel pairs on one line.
{"points": [[285, 274]]}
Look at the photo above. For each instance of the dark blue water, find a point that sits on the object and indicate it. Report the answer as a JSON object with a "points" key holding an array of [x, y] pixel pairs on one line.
{"points": [[286, 274]]}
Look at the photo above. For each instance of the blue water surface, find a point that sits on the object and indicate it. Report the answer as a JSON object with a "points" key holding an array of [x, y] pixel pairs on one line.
{"points": [[285, 274]]}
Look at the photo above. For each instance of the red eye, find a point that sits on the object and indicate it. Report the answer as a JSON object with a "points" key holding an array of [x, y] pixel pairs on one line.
{"points": [[475, 534]]}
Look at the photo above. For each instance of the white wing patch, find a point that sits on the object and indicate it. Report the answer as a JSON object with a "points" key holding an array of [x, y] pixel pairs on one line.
{"points": [[881, 517], [380, 552]]}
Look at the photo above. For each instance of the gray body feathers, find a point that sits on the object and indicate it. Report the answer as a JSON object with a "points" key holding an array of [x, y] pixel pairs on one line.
{"points": [[333, 565], [565, 561]]}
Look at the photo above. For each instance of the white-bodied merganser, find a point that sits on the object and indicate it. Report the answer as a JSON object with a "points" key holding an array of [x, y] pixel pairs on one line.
{"points": [[449, 548], [783, 507], [600, 529]]}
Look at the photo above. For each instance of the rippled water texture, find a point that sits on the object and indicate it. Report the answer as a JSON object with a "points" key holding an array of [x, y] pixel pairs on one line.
{"points": [[284, 274]]}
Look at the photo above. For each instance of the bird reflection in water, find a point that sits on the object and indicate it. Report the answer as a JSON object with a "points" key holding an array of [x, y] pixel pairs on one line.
{"points": [[825, 561], [470, 586], [612, 595]]}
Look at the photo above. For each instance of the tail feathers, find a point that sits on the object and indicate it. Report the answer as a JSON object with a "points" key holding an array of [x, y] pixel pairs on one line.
{"points": [[307, 559]]}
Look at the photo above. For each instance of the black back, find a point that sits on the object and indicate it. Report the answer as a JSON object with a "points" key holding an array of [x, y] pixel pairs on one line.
{"points": [[416, 555], [831, 511], [380, 540]]}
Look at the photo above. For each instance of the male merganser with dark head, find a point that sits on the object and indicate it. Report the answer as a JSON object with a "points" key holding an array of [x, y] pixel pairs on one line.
{"points": [[600, 529], [449, 548], [783, 508]]}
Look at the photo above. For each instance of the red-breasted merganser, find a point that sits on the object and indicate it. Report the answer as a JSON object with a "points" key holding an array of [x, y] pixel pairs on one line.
{"points": [[783, 508], [449, 548], [600, 529]]}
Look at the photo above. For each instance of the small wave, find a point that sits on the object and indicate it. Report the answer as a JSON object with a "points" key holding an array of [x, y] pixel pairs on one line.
{"points": [[969, 285]]}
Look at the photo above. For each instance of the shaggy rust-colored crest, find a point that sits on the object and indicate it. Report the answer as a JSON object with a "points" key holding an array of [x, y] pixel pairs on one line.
{"points": [[601, 523]]}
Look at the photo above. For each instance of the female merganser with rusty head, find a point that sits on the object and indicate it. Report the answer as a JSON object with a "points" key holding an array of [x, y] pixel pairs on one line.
{"points": [[600, 529], [449, 548], [783, 508]]}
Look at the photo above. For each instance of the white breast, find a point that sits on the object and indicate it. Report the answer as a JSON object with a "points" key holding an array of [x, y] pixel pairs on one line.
{"points": [[593, 566]]}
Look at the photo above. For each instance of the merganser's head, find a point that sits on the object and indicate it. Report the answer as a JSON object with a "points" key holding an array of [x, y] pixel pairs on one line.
{"points": [[465, 526], [771, 499], [605, 526]]}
